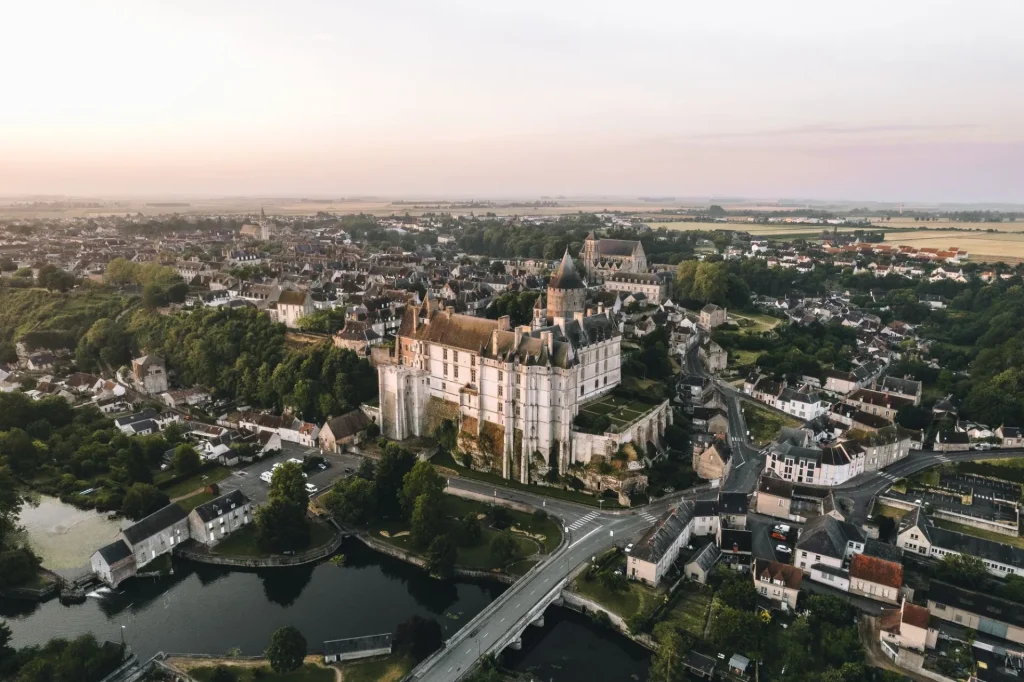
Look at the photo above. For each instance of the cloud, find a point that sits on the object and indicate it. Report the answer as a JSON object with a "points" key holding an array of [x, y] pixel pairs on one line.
{"points": [[817, 130]]}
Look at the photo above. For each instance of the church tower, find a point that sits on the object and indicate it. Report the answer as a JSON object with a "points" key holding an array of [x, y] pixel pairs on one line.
{"points": [[567, 294], [266, 228]]}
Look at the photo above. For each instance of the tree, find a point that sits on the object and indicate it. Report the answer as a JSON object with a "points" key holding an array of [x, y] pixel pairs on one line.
{"points": [[186, 459], [422, 479], [734, 629], [288, 485], [503, 549], [287, 649], [352, 500], [965, 570], [223, 673], [142, 499], [281, 523], [446, 435], [441, 557], [394, 464], [154, 296], [427, 519], [666, 664], [735, 590]]}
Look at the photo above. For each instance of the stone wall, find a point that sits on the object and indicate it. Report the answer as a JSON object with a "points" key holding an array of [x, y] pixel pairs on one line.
{"points": [[436, 412]]}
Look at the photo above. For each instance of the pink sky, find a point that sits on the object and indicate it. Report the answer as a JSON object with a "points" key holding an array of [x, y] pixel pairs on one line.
{"points": [[914, 101]]}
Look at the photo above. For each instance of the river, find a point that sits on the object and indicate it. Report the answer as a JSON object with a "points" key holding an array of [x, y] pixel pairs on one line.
{"points": [[211, 609], [65, 537]]}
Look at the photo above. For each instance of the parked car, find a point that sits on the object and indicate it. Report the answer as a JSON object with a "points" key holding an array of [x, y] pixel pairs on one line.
{"points": [[782, 549], [266, 476], [312, 489], [629, 548], [292, 460]]}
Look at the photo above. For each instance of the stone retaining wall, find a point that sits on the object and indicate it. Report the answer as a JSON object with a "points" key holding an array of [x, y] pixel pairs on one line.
{"points": [[264, 562]]}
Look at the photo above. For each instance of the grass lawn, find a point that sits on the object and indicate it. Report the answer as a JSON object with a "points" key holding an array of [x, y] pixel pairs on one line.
{"points": [[894, 513], [755, 322], [635, 598], [1016, 541], [387, 669], [307, 673], [689, 608], [193, 501], [743, 358], [443, 459], [764, 424], [201, 479], [520, 568], [243, 542], [620, 410], [479, 556]]}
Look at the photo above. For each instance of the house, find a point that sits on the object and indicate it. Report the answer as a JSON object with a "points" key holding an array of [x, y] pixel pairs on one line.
{"points": [[292, 306], [711, 419], [338, 432], [739, 666], [826, 540], [712, 316], [211, 522], [737, 547], [876, 578], [919, 535], [732, 510], [113, 563], [149, 373], [952, 441], [138, 424], [774, 497], [1011, 436], [658, 548], [144, 541], [902, 387], [804, 403], [907, 627], [778, 582], [713, 356], [354, 648], [714, 462], [700, 566]]}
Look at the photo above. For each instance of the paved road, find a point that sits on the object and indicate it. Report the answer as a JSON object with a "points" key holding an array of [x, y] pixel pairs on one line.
{"points": [[590, 534]]}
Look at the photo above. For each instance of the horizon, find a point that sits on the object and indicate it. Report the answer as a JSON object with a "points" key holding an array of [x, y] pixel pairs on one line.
{"points": [[460, 101]]}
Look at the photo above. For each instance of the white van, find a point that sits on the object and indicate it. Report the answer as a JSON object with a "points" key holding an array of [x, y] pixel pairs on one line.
{"points": [[266, 476]]}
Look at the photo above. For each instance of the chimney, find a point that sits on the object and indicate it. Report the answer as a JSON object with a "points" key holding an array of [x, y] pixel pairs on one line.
{"points": [[504, 323], [578, 316], [494, 343], [520, 330], [415, 319], [547, 338], [600, 308]]}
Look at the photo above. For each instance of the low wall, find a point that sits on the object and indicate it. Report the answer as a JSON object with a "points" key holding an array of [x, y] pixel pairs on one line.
{"points": [[489, 499], [991, 525], [586, 606], [264, 562], [397, 552]]}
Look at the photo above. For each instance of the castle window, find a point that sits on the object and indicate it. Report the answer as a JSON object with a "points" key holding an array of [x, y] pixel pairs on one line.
{"points": [[472, 361], [455, 371], [472, 376], [446, 369], [455, 355], [444, 353], [501, 391], [501, 375], [500, 407], [582, 388]]}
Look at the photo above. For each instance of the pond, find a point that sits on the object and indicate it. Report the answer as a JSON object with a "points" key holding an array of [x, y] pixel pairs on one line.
{"points": [[65, 536]]}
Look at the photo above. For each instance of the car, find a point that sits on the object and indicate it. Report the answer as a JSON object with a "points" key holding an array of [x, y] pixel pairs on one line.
{"points": [[782, 528], [322, 466], [266, 476], [776, 535], [292, 460], [782, 549], [629, 548], [312, 489], [274, 468]]}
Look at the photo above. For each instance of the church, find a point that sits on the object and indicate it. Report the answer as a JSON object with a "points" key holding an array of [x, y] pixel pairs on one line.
{"points": [[603, 258], [513, 392]]}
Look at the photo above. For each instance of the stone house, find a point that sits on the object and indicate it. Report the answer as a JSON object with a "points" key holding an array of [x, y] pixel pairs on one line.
{"points": [[149, 374], [344, 430], [714, 462], [211, 522], [113, 563], [712, 316], [658, 548], [156, 534], [778, 582]]}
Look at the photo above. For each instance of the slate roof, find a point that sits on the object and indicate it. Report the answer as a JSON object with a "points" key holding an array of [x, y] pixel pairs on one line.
{"points": [[148, 413], [154, 523], [736, 541], [825, 535], [657, 540], [705, 508], [221, 505], [565, 276], [883, 550], [982, 604], [616, 247], [348, 424], [114, 552], [733, 503], [789, 575], [707, 557], [292, 298]]}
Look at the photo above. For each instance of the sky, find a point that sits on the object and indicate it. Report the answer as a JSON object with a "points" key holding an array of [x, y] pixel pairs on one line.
{"points": [[890, 101]]}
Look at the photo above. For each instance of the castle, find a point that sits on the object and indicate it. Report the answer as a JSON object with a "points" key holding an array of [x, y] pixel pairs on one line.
{"points": [[512, 392]]}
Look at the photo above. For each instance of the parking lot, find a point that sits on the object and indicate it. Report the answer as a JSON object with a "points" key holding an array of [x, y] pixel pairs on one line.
{"points": [[248, 479]]}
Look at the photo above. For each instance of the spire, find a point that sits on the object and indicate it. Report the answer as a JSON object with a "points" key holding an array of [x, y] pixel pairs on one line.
{"points": [[591, 237], [566, 276], [263, 214]]}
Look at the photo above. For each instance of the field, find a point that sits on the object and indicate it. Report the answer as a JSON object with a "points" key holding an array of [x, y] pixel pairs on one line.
{"points": [[764, 424], [984, 246], [689, 609], [388, 669], [754, 322], [248, 673]]}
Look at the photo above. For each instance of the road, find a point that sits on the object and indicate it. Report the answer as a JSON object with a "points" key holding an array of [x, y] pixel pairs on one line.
{"points": [[589, 535]]}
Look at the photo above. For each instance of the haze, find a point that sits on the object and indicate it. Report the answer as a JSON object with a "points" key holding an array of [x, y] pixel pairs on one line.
{"points": [[875, 100]]}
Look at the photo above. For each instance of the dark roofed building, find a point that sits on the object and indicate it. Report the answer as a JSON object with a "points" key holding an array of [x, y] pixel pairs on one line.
{"points": [[353, 648], [113, 563], [659, 547], [338, 432], [211, 522], [156, 534]]}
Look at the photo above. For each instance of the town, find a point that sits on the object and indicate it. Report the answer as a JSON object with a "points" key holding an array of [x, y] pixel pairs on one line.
{"points": [[713, 442]]}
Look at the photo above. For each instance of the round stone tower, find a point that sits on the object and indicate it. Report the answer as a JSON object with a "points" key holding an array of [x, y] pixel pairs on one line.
{"points": [[566, 292]]}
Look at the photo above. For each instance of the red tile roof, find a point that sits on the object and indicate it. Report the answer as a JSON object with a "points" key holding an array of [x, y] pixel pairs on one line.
{"points": [[875, 570]]}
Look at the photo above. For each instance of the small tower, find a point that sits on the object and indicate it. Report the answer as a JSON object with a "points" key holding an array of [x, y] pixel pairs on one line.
{"points": [[540, 314], [567, 294]]}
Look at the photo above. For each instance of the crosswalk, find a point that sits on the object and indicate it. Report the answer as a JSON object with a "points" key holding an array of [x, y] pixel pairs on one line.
{"points": [[943, 459], [648, 517], [582, 521], [887, 476]]}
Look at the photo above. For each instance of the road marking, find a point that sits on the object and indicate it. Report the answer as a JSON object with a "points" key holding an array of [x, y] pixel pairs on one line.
{"points": [[469, 650], [582, 521], [584, 537], [502, 620], [648, 517], [517, 605]]}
